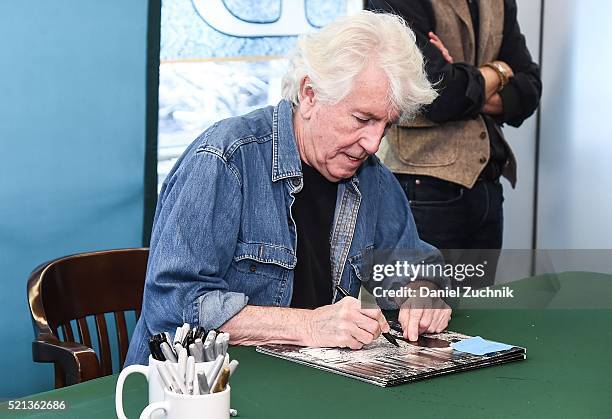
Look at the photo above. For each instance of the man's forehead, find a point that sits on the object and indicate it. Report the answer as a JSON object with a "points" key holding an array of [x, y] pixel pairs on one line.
{"points": [[369, 95]]}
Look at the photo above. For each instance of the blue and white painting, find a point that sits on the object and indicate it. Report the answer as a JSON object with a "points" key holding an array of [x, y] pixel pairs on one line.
{"points": [[221, 58]]}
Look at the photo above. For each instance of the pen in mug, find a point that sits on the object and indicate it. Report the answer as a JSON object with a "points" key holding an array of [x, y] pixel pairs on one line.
{"points": [[199, 333], [203, 383], [156, 350], [177, 348], [167, 351], [219, 345], [221, 381], [199, 349], [182, 363], [209, 346], [185, 330], [190, 373], [178, 335], [232, 366], [165, 377], [167, 371], [214, 371], [226, 338]]}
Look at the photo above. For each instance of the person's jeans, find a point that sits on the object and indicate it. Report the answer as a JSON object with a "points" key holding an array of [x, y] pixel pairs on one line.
{"points": [[451, 216]]}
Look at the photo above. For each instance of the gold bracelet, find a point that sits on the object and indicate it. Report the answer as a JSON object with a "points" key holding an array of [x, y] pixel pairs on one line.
{"points": [[501, 73]]}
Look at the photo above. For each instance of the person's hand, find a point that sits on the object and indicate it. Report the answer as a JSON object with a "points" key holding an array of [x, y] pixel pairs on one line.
{"points": [[492, 79], [423, 314], [437, 42], [493, 106], [345, 324], [506, 67]]}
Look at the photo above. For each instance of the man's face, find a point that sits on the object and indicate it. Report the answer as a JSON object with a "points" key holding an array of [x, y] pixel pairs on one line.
{"points": [[336, 139]]}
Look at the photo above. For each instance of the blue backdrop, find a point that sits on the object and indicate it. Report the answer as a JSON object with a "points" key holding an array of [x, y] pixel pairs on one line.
{"points": [[72, 140]]}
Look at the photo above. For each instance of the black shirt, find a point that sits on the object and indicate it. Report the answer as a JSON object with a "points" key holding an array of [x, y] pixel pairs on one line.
{"points": [[461, 86], [313, 213]]}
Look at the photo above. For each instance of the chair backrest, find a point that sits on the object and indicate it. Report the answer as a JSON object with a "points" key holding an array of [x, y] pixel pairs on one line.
{"points": [[74, 287]]}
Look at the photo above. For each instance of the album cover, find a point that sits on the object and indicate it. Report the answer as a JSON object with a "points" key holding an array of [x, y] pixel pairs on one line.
{"points": [[386, 365]]}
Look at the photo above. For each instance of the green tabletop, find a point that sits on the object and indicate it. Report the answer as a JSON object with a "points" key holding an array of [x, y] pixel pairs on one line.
{"points": [[568, 373]]}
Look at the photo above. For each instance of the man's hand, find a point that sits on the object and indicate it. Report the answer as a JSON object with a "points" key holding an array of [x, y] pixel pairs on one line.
{"points": [[437, 42], [506, 67], [345, 324], [491, 78], [493, 106], [423, 314]]}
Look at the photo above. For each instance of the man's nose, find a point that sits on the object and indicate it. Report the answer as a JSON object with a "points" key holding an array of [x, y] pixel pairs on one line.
{"points": [[371, 139]]}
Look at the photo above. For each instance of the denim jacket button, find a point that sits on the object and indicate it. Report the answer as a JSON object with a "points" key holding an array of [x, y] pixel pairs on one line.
{"points": [[253, 268], [295, 182]]}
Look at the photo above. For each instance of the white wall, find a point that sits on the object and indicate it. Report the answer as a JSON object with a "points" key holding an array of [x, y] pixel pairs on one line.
{"points": [[519, 204], [575, 175]]}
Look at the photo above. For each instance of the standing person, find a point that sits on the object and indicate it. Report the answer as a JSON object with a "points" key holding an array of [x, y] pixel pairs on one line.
{"points": [[265, 214], [450, 159]]}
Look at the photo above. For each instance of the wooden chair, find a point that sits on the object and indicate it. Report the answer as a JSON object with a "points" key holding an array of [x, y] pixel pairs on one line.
{"points": [[77, 286]]}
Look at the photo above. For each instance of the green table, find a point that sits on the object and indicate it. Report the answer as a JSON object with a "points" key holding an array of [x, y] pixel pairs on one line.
{"points": [[568, 373]]}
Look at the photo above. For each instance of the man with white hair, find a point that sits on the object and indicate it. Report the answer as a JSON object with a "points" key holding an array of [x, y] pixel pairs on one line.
{"points": [[266, 214]]}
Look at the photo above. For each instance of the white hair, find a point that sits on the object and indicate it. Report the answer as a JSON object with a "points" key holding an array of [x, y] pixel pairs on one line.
{"points": [[332, 57]]}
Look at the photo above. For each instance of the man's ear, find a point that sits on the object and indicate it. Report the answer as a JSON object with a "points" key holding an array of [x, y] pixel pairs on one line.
{"points": [[307, 98]]}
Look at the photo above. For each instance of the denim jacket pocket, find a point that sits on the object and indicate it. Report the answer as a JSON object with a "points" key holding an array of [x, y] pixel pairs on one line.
{"points": [[262, 272], [265, 253]]}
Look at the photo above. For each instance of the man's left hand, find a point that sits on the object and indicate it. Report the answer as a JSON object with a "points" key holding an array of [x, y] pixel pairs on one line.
{"points": [[494, 106], [423, 315]]}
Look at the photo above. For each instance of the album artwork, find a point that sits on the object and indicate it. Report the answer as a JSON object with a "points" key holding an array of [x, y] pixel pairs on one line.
{"points": [[385, 365]]}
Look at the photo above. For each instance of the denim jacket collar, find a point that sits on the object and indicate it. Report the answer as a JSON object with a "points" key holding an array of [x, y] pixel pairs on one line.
{"points": [[285, 158]]}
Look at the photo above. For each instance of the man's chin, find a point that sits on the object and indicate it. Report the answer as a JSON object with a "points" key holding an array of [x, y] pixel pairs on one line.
{"points": [[343, 174]]}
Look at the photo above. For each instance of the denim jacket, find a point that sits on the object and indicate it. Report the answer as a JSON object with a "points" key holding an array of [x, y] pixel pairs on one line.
{"points": [[224, 235]]}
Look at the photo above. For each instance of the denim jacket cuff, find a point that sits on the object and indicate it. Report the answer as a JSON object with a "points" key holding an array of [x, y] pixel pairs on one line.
{"points": [[217, 307]]}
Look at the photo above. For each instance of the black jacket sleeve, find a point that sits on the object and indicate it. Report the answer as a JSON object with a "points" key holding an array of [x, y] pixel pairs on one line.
{"points": [[521, 95]]}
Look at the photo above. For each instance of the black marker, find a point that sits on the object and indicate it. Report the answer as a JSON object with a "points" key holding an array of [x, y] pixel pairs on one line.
{"points": [[154, 342], [387, 335]]}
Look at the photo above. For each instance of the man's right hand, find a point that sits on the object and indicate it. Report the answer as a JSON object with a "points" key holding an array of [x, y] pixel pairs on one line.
{"points": [[345, 324], [492, 80], [437, 42]]}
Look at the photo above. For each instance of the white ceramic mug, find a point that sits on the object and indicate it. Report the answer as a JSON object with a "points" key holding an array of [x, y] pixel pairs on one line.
{"points": [[186, 406], [156, 386]]}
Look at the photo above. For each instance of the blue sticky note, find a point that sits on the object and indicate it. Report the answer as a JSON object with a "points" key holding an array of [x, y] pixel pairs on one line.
{"points": [[479, 346]]}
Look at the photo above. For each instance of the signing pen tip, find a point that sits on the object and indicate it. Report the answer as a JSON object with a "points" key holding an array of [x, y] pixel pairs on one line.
{"points": [[391, 339]]}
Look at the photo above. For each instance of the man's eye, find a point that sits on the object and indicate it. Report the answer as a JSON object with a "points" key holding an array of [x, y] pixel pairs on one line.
{"points": [[361, 120]]}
